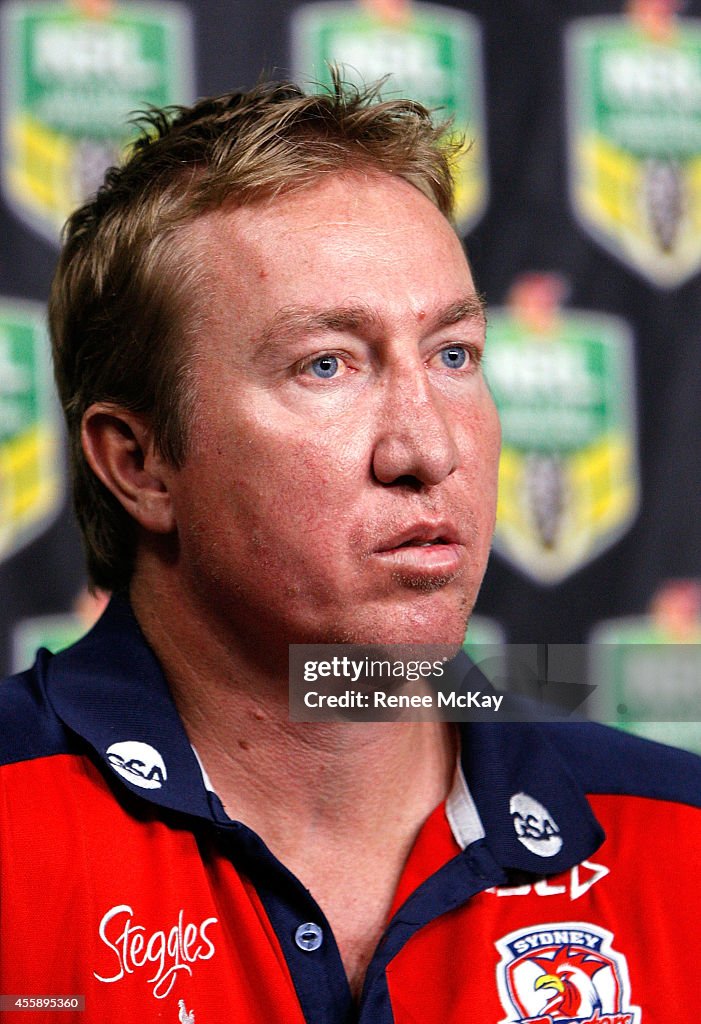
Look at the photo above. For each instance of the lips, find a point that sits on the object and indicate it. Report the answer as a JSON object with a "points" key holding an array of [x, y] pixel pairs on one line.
{"points": [[423, 534], [425, 552]]}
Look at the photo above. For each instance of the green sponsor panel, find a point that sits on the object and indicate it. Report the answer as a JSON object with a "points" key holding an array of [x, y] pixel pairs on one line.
{"points": [[482, 631], [54, 632], [485, 644], [634, 110], [71, 82], [647, 682], [31, 485], [568, 481], [432, 53]]}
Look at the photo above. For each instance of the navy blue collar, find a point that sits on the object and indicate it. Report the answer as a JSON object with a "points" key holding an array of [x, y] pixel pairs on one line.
{"points": [[109, 689], [535, 816]]}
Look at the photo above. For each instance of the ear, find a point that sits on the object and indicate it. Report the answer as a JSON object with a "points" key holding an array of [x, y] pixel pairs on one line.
{"points": [[118, 445]]}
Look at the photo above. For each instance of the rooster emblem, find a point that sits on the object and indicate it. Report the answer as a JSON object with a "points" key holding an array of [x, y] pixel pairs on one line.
{"points": [[569, 976], [564, 971], [183, 1016]]}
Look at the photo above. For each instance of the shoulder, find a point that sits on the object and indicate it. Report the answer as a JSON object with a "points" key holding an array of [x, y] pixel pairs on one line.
{"points": [[609, 761], [29, 728]]}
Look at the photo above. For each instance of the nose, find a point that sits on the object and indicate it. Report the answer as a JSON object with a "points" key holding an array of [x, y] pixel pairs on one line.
{"points": [[415, 440]]}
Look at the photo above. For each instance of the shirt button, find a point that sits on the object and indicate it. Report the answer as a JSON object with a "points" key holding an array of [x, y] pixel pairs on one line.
{"points": [[309, 936]]}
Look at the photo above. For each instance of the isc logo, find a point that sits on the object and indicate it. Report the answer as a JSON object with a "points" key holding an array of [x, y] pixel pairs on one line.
{"points": [[534, 825], [138, 763]]}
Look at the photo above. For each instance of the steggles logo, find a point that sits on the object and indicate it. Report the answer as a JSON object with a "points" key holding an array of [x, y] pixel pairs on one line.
{"points": [[169, 952]]}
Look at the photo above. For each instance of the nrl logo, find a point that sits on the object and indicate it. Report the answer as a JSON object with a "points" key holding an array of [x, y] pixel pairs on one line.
{"points": [[430, 52], [31, 484], [563, 972]]}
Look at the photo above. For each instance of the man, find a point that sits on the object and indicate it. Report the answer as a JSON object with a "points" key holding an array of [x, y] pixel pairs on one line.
{"points": [[268, 346]]}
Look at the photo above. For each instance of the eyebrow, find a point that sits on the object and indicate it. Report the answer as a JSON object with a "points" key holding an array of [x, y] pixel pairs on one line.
{"points": [[470, 308], [298, 320]]}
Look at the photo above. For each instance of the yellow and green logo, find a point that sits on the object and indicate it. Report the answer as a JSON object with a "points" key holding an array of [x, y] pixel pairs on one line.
{"points": [[634, 109], [646, 668], [74, 73], [433, 54], [563, 383], [31, 484]]}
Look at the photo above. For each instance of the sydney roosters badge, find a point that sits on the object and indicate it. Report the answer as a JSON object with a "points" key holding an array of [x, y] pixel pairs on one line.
{"points": [[564, 972]]}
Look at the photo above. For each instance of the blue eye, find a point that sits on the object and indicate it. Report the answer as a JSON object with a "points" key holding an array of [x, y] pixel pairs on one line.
{"points": [[454, 356], [324, 366]]}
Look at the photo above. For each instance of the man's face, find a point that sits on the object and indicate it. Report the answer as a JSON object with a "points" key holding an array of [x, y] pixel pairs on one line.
{"points": [[341, 481]]}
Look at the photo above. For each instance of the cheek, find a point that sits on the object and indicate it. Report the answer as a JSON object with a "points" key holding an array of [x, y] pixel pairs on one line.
{"points": [[493, 445], [480, 473], [288, 485], [484, 443]]}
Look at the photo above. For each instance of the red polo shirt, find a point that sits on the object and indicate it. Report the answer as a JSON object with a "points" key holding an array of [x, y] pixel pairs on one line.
{"points": [[122, 880]]}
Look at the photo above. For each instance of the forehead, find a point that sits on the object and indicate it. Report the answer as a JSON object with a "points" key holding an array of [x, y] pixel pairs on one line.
{"points": [[348, 239]]}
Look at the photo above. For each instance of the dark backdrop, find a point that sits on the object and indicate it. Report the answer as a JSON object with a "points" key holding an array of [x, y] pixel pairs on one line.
{"points": [[528, 227]]}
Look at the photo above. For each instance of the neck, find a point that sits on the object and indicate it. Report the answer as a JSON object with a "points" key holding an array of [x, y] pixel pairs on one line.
{"points": [[323, 795], [279, 777]]}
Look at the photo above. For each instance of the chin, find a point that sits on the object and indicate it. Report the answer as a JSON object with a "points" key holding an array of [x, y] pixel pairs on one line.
{"points": [[430, 622]]}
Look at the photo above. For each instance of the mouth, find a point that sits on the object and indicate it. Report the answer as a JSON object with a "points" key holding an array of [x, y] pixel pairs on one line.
{"points": [[420, 535], [423, 543], [425, 551]]}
